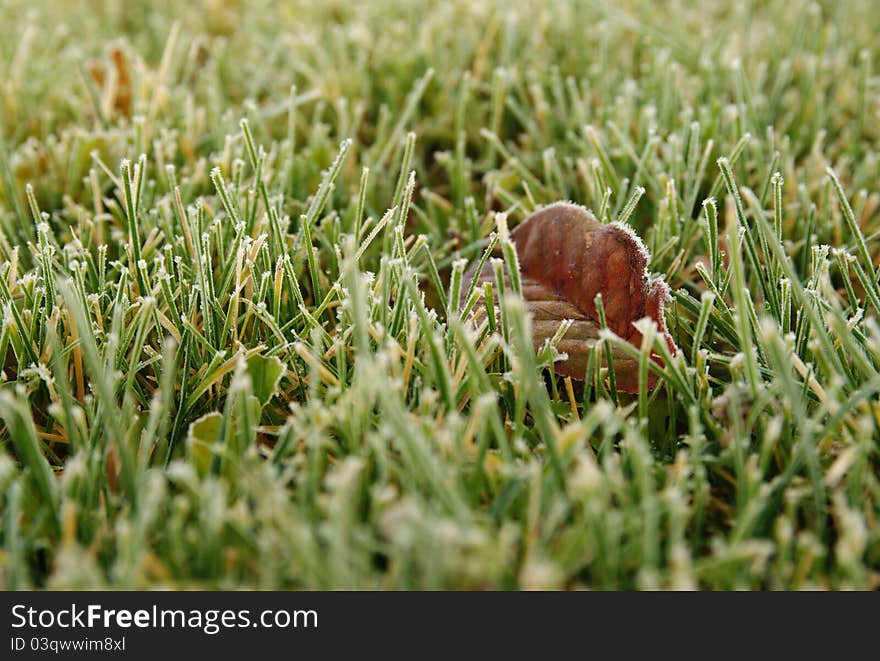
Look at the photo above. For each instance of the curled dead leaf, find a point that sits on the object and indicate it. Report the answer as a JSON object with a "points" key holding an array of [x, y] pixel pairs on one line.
{"points": [[566, 257]]}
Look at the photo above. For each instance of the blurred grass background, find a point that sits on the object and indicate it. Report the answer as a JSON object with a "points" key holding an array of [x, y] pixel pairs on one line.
{"points": [[219, 371]]}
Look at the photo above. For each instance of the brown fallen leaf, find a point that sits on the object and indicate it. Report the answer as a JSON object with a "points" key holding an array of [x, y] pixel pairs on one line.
{"points": [[566, 257]]}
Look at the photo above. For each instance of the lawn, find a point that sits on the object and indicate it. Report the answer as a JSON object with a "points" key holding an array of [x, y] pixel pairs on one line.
{"points": [[237, 346]]}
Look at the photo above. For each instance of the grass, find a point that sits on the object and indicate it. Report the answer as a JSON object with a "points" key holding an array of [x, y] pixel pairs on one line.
{"points": [[232, 239]]}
